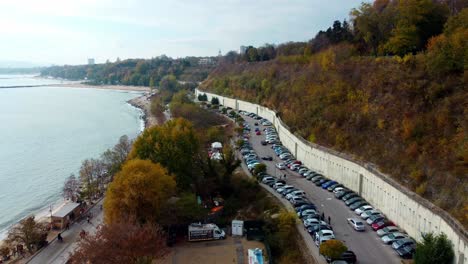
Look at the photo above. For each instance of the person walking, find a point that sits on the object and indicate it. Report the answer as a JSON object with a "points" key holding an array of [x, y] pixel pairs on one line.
{"points": [[87, 219], [329, 220], [323, 216], [285, 176], [59, 237]]}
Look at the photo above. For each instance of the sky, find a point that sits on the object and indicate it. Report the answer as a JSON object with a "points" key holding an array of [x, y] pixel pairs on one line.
{"points": [[71, 31]]}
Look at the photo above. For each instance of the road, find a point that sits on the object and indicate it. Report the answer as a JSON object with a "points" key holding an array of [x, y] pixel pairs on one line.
{"points": [[367, 246], [58, 252]]}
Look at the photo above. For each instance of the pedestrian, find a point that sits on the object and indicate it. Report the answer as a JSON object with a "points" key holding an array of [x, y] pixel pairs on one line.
{"points": [[67, 226], [285, 176], [59, 237], [323, 216], [329, 220], [87, 219]]}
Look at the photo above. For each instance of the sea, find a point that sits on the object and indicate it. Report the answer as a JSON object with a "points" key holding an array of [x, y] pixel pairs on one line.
{"points": [[45, 134]]}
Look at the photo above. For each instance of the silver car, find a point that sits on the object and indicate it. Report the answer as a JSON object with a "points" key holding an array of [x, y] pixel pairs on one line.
{"points": [[357, 224]]}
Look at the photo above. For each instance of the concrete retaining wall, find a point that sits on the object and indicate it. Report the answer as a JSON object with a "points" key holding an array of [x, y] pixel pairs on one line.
{"points": [[408, 210]]}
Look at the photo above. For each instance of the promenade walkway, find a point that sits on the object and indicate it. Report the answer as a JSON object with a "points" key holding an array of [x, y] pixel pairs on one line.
{"points": [[58, 252]]}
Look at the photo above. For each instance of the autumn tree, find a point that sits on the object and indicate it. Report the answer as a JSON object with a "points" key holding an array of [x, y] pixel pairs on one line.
{"points": [[173, 145], [122, 242], [29, 233], [92, 174], [332, 248], [71, 188], [139, 191]]}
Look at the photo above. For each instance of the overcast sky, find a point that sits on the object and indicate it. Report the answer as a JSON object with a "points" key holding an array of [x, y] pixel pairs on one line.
{"points": [[70, 31]]}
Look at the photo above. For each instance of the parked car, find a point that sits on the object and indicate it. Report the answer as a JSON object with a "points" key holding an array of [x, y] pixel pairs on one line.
{"points": [[381, 224], [268, 178], [299, 193], [387, 230], [338, 189], [406, 252], [313, 221], [323, 235], [306, 206], [313, 229], [349, 196], [358, 204], [327, 184], [363, 209], [307, 212], [342, 193], [353, 200], [334, 186], [263, 142], [270, 158], [402, 243], [370, 213], [388, 239], [374, 219], [348, 257], [357, 224]]}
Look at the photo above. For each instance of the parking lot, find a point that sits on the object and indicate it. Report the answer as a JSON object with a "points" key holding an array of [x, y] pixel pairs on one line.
{"points": [[231, 250], [367, 246]]}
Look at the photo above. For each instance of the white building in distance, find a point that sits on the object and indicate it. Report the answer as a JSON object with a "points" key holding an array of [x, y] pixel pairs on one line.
{"points": [[91, 61]]}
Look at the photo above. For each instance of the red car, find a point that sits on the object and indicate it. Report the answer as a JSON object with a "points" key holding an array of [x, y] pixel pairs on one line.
{"points": [[381, 224], [258, 133]]}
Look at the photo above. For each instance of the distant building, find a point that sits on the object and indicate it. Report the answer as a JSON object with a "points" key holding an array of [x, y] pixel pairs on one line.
{"points": [[91, 61], [206, 61], [242, 50]]}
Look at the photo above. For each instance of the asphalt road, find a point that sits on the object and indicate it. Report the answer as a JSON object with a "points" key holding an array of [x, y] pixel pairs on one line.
{"points": [[59, 252], [367, 246]]}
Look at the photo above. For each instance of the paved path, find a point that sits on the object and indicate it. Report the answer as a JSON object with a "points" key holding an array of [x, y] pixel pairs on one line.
{"points": [[367, 246], [58, 252]]}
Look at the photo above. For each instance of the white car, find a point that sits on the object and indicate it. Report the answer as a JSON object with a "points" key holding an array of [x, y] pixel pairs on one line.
{"points": [[369, 213], [280, 166], [298, 193], [363, 209], [278, 185], [268, 178], [338, 189], [323, 236], [393, 236], [307, 212], [387, 230], [313, 221], [284, 188], [357, 224]]}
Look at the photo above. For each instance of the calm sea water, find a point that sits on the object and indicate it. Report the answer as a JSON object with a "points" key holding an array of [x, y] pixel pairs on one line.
{"points": [[45, 133]]}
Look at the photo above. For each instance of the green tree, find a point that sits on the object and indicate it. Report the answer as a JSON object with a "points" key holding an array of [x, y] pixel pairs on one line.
{"points": [[332, 248], [214, 101], [28, 232], [169, 82], [139, 191], [434, 249], [174, 145], [259, 168]]}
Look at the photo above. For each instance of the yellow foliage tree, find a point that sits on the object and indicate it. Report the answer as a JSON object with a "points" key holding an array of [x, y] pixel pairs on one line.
{"points": [[332, 248], [138, 191]]}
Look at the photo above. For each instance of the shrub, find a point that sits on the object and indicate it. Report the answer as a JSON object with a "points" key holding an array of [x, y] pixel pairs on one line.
{"points": [[434, 249]]}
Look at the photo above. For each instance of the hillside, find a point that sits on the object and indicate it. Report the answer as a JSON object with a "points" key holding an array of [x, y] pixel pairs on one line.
{"points": [[407, 114]]}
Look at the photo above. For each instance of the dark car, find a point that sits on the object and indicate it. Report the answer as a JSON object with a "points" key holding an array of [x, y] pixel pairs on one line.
{"points": [[313, 229], [356, 205], [270, 158], [302, 203], [407, 252], [318, 183], [342, 193], [347, 256], [353, 200], [333, 186], [316, 178], [349, 196], [375, 219], [264, 143], [306, 206], [327, 183]]}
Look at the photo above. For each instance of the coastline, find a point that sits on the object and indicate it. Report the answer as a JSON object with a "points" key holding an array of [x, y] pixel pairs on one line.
{"points": [[105, 87], [142, 103]]}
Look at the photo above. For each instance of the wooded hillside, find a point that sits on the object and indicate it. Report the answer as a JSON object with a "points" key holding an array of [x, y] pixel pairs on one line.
{"points": [[393, 93]]}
